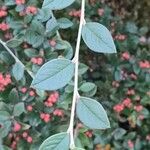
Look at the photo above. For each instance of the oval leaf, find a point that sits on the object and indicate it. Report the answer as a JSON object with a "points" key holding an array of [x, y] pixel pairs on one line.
{"points": [[92, 114], [98, 38], [64, 23], [77, 148], [56, 4], [87, 87], [19, 109], [56, 142], [54, 74], [14, 43], [18, 71]]}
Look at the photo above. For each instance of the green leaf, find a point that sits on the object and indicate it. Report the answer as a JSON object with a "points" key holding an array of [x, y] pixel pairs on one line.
{"points": [[87, 87], [13, 95], [66, 47], [54, 74], [118, 75], [92, 114], [64, 23], [30, 52], [5, 128], [131, 27], [4, 106], [6, 57], [118, 133], [77, 148], [9, 2], [56, 4], [82, 68], [136, 69], [4, 115], [37, 26], [51, 24], [90, 93], [43, 15], [56, 142], [34, 38], [6, 148], [14, 43], [18, 71], [98, 38], [19, 109]]}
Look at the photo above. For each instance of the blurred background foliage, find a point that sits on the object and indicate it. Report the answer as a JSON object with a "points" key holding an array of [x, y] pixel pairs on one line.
{"points": [[121, 82]]}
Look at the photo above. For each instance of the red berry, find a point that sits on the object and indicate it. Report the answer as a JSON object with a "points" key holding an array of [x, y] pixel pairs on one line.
{"points": [[29, 108], [17, 127], [31, 10], [39, 61], [42, 115], [24, 134], [29, 139], [46, 118], [24, 90], [52, 43], [32, 93]]}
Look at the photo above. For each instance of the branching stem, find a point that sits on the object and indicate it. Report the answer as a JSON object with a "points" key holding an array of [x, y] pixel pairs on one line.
{"points": [[16, 58], [76, 61]]}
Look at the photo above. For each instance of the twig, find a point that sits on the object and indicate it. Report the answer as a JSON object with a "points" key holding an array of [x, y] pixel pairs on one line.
{"points": [[16, 58], [76, 61]]}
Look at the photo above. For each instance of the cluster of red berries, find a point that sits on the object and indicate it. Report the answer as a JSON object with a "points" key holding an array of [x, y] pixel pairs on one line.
{"points": [[75, 13], [125, 56], [118, 108], [58, 112], [14, 137], [37, 61], [130, 144], [31, 92], [89, 134], [3, 12], [20, 2], [138, 108], [120, 37], [145, 64], [4, 81], [125, 103], [52, 99], [27, 137], [14, 140], [115, 84], [31, 10], [45, 117], [130, 92], [4, 26], [133, 76], [100, 11]]}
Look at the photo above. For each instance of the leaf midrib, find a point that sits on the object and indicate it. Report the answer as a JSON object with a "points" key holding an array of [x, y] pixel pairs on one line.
{"points": [[52, 74], [99, 38], [93, 112]]}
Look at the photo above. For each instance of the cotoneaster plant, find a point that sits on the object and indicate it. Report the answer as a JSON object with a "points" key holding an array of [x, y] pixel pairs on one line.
{"points": [[57, 73]]}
